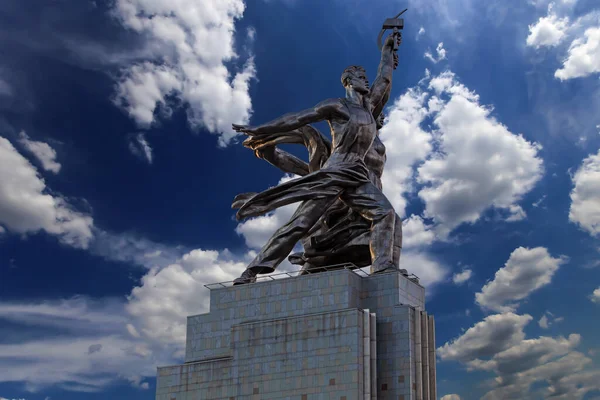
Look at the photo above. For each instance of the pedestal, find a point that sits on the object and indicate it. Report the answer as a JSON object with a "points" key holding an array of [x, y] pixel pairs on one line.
{"points": [[332, 335]]}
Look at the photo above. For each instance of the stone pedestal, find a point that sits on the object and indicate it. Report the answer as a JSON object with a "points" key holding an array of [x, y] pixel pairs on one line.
{"points": [[332, 335]]}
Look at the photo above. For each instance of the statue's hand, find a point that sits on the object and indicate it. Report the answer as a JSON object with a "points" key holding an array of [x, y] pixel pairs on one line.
{"points": [[393, 38], [248, 130]]}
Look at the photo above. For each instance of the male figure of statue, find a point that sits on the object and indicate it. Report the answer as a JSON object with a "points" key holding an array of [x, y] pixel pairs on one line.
{"points": [[344, 175]]}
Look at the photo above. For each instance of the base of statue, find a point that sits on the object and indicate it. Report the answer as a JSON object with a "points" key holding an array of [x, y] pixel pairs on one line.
{"points": [[338, 334]]}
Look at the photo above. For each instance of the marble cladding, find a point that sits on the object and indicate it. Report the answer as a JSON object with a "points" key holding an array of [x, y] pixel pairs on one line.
{"points": [[300, 338]]}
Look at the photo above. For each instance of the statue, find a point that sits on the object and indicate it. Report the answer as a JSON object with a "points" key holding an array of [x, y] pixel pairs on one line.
{"points": [[342, 179], [341, 236]]}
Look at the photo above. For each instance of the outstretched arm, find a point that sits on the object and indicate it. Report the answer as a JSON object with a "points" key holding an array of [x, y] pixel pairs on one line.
{"points": [[283, 160], [322, 111], [383, 82]]}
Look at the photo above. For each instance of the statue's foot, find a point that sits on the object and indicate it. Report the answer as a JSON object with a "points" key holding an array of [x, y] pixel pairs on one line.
{"points": [[380, 269], [246, 277]]}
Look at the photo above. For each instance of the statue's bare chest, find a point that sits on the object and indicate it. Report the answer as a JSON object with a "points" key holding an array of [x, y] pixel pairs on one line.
{"points": [[359, 115]]}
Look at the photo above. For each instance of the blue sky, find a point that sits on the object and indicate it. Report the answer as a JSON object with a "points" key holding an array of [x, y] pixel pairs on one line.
{"points": [[118, 167]]}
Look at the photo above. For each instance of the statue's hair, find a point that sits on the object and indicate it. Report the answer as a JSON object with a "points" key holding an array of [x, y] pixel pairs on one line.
{"points": [[351, 71]]}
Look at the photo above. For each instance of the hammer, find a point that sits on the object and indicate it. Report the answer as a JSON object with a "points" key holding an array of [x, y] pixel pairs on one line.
{"points": [[392, 23]]}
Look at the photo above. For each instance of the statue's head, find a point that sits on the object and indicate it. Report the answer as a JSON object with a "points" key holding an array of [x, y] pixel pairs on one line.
{"points": [[356, 78], [380, 120]]}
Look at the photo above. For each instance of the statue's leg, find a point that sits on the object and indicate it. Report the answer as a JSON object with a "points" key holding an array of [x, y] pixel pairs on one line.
{"points": [[398, 244], [285, 238], [372, 204]]}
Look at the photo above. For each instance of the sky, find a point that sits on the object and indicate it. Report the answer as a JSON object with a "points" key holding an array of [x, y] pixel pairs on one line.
{"points": [[118, 166]]}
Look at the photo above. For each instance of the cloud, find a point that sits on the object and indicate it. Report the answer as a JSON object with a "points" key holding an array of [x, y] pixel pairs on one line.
{"points": [[548, 31], [193, 67], [565, 375], [426, 267], [27, 207], [583, 57], [585, 196], [525, 271], [406, 144], [134, 249], [549, 319], [42, 151], [82, 344], [595, 296], [139, 146], [461, 277], [415, 233], [77, 344], [494, 334], [440, 51], [180, 288], [497, 344], [420, 33], [450, 397], [479, 162]]}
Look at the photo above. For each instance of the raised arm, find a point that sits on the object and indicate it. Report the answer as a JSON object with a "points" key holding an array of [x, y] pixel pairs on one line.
{"points": [[323, 111], [383, 81]]}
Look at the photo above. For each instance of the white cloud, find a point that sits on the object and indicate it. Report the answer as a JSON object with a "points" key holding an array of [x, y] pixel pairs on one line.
{"points": [[130, 248], [415, 233], [461, 277], [440, 51], [91, 351], [450, 397], [429, 270], [583, 58], [26, 207], [525, 271], [493, 335], [139, 147], [552, 362], [42, 151], [420, 33], [180, 288], [497, 344], [257, 231], [548, 31], [104, 341], [479, 163], [595, 296], [198, 43], [585, 196], [549, 319], [516, 213], [406, 144]]}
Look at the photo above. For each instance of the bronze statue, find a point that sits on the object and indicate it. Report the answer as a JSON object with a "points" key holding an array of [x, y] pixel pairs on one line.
{"points": [[343, 175]]}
